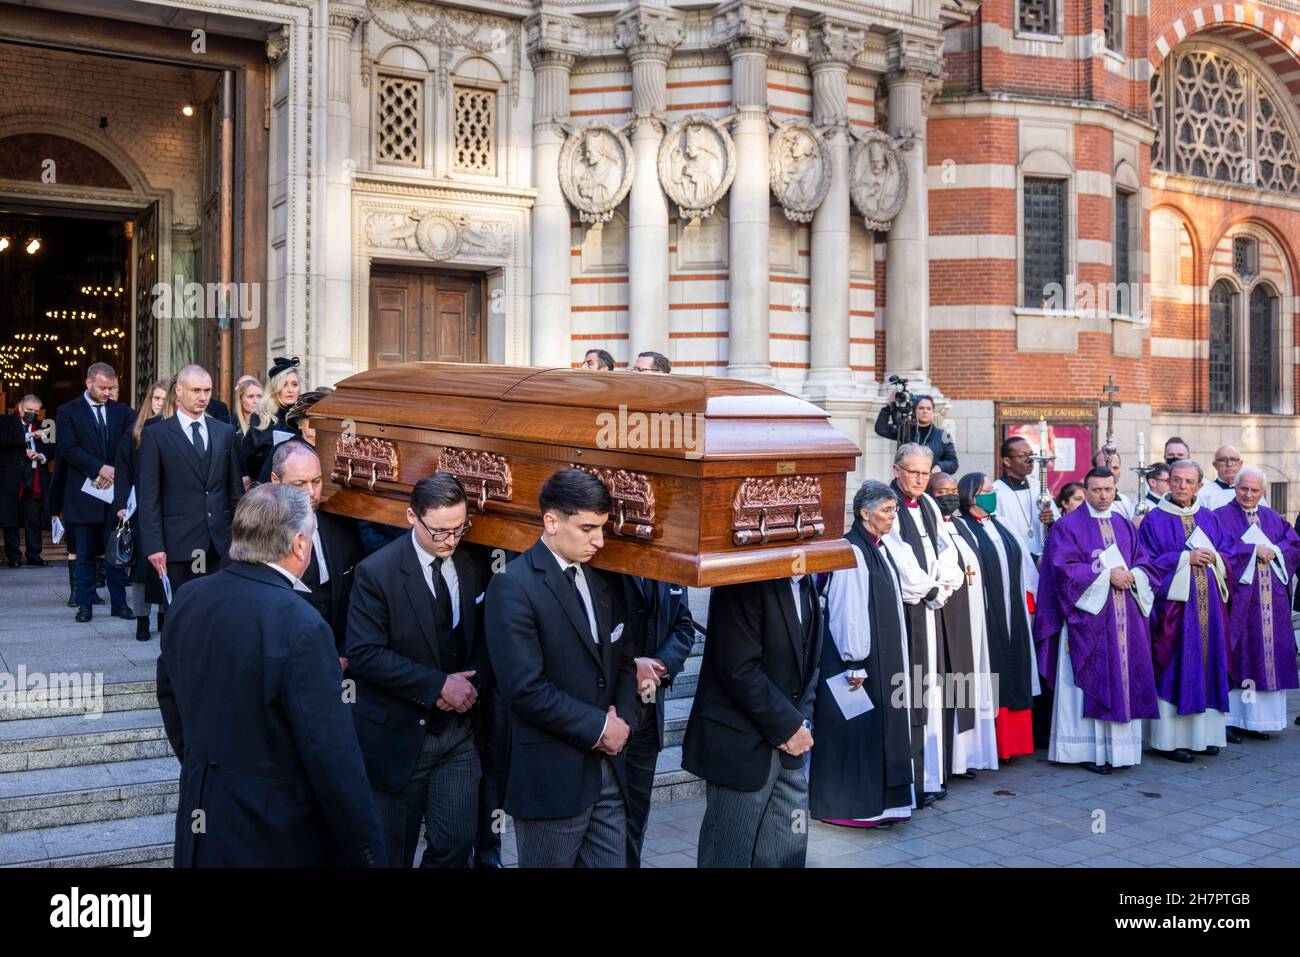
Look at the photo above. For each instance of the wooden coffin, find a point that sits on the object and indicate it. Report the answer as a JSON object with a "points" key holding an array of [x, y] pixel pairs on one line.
{"points": [[714, 480]]}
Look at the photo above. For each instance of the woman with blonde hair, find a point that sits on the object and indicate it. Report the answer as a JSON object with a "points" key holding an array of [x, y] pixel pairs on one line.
{"points": [[248, 395], [146, 586], [283, 385]]}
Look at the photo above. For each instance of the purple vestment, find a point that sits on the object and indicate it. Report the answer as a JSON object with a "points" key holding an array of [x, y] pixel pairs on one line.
{"points": [[1262, 647], [1189, 639], [1110, 651]]}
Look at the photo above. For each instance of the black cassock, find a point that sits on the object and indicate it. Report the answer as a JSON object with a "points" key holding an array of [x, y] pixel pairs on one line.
{"points": [[953, 623], [863, 766]]}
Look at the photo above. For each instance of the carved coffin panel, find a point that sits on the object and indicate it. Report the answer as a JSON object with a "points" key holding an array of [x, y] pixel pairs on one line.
{"points": [[634, 501], [777, 510], [361, 461], [484, 475]]}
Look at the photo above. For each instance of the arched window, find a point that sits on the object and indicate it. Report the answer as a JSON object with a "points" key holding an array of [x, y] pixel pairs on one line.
{"points": [[1260, 339], [1218, 117], [1222, 307]]}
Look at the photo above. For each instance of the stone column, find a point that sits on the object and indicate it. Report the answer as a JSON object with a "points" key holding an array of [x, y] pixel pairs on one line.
{"points": [[648, 33], [749, 30], [333, 338], [907, 263], [834, 46], [554, 43]]}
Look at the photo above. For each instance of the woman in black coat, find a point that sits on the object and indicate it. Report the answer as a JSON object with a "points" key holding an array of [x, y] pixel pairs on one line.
{"points": [[283, 387], [146, 585], [928, 432]]}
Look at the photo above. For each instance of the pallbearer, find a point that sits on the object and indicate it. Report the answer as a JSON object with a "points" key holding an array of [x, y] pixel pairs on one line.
{"points": [[1092, 634], [1262, 556], [1189, 622], [861, 773]]}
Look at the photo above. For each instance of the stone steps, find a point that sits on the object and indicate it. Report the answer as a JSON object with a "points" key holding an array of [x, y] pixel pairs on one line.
{"points": [[34, 743], [144, 841], [49, 797], [110, 698]]}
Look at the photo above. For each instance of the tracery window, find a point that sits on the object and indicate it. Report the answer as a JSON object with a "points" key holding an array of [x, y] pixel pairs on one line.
{"points": [[398, 122], [474, 130], [1037, 16], [1217, 118]]}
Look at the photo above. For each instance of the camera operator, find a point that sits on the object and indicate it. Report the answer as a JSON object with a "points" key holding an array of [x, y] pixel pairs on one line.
{"points": [[909, 418]]}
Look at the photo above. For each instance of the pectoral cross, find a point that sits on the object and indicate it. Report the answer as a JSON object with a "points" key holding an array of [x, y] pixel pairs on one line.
{"points": [[1111, 390], [970, 576]]}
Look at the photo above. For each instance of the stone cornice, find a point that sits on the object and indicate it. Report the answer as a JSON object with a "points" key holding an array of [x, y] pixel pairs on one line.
{"points": [[379, 184], [913, 59], [343, 17]]}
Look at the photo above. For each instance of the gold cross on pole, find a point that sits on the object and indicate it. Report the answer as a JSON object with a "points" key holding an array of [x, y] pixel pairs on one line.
{"points": [[1110, 390]]}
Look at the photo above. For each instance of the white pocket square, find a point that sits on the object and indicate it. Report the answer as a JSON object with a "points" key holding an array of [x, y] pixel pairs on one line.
{"points": [[617, 633], [479, 599], [674, 591]]}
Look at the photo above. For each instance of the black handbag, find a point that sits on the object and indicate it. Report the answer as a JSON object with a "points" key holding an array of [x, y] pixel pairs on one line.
{"points": [[120, 550]]}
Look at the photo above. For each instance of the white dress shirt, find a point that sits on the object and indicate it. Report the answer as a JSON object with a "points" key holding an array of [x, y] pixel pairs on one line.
{"points": [[583, 590], [186, 420], [448, 575], [319, 550], [798, 597], [293, 579]]}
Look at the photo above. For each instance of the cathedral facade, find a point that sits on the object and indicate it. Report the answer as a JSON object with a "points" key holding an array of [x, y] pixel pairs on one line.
{"points": [[1005, 203]]}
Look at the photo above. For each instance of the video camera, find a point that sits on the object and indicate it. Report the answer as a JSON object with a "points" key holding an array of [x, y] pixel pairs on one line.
{"points": [[902, 410]]}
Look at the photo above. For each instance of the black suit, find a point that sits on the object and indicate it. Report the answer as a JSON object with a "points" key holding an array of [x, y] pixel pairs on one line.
{"points": [[219, 410], [758, 682], [187, 499], [660, 625], [341, 544], [84, 447], [559, 684], [398, 645], [22, 486], [249, 689]]}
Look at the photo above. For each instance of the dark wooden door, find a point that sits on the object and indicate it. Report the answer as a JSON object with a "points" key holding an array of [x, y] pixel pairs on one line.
{"points": [[425, 315]]}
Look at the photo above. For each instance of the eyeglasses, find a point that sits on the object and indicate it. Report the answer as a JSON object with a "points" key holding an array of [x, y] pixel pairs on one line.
{"points": [[442, 534], [916, 475], [1227, 461]]}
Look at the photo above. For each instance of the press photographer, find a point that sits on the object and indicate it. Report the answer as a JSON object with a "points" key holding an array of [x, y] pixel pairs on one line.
{"points": [[910, 418]]}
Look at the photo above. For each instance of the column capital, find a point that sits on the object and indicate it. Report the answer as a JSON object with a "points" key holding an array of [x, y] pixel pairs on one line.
{"points": [[648, 31], [834, 42], [345, 19], [750, 25], [555, 39], [913, 59], [277, 45]]}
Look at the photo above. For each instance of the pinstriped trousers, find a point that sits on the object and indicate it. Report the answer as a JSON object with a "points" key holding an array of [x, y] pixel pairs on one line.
{"points": [[595, 838], [763, 828], [443, 793]]}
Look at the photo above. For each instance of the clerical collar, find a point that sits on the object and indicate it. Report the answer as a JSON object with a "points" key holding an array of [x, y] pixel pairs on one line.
{"points": [[911, 503], [1222, 484], [1167, 504], [1016, 485], [1096, 514]]}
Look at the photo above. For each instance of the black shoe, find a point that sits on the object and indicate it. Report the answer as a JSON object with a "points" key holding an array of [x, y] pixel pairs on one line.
{"points": [[123, 611], [97, 600], [1255, 735], [1096, 768], [966, 775], [85, 613], [142, 628], [1234, 736], [1181, 755], [36, 563], [489, 860], [1211, 750], [928, 798], [941, 793], [72, 600]]}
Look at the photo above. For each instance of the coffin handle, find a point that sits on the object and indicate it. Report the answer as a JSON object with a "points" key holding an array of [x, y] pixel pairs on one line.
{"points": [[482, 496], [347, 482], [374, 477], [798, 522], [622, 517], [762, 526]]}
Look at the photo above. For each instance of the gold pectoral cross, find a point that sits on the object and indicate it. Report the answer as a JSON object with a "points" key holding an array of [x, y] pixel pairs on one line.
{"points": [[970, 576]]}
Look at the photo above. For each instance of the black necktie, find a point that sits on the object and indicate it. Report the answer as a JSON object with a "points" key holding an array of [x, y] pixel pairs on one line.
{"points": [[102, 426], [196, 430], [441, 593], [571, 573]]}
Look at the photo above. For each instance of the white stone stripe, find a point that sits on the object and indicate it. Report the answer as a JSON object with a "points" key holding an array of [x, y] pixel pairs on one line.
{"points": [[951, 173], [1093, 183], [1166, 348], [1094, 252], [972, 318], [1180, 29], [1163, 46], [1199, 16], [972, 246]]}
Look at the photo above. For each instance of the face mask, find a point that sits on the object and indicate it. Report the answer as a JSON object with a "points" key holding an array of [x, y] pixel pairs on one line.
{"points": [[987, 501], [29, 417], [949, 503]]}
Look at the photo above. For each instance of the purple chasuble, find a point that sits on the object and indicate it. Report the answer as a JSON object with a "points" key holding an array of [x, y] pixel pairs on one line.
{"points": [[1110, 652], [1189, 639], [1262, 647]]}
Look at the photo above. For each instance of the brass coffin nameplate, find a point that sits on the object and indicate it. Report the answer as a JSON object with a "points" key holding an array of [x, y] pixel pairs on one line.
{"points": [[483, 474], [634, 501], [362, 461], [777, 510]]}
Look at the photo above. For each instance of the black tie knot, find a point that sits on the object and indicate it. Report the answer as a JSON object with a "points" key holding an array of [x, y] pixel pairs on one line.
{"points": [[437, 564], [572, 572]]}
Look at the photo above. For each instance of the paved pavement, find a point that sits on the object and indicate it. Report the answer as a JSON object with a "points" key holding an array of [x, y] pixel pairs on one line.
{"points": [[1240, 808]]}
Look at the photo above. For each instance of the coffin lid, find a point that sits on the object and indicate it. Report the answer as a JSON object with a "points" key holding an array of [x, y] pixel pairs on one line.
{"points": [[737, 418]]}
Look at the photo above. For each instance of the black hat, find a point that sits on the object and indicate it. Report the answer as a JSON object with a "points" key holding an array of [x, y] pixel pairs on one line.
{"points": [[281, 364], [305, 401]]}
